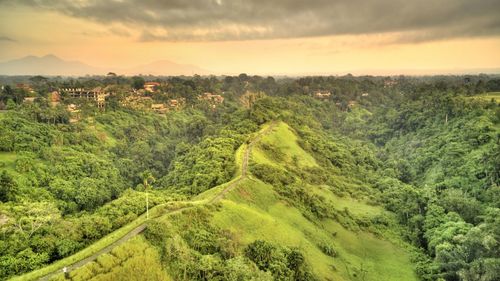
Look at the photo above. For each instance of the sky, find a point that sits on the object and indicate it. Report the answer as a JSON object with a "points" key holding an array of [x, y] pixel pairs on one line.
{"points": [[291, 37]]}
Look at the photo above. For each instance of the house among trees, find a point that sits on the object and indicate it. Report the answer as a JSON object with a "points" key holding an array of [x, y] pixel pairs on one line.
{"points": [[72, 108], [96, 94], [176, 103], [389, 83], [25, 87], [365, 94], [137, 102], [151, 86], [211, 98], [173, 103], [54, 98], [159, 108], [322, 94], [74, 112], [29, 99]]}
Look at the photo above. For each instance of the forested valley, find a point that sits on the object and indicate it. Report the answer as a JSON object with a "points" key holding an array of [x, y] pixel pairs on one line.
{"points": [[360, 170]]}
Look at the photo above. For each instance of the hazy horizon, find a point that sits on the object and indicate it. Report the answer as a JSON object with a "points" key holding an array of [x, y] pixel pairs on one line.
{"points": [[129, 70]]}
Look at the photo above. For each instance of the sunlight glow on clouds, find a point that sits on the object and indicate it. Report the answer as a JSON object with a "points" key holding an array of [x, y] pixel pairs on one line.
{"points": [[258, 36]]}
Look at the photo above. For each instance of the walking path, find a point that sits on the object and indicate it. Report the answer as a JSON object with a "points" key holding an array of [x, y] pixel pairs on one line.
{"points": [[141, 227]]}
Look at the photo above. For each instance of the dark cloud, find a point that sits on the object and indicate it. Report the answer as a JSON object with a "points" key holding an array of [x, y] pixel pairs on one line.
{"points": [[172, 20]]}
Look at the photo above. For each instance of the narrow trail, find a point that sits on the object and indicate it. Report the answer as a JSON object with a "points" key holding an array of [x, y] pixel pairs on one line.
{"points": [[244, 164], [139, 229]]}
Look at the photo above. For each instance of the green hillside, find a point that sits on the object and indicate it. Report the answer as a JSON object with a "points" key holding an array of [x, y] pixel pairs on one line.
{"points": [[254, 210]]}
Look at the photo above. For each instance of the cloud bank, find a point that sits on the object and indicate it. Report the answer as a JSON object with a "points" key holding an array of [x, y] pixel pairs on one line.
{"points": [[220, 20]]}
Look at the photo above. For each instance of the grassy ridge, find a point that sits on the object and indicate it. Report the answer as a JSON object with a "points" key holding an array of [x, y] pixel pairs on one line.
{"points": [[254, 211], [285, 140]]}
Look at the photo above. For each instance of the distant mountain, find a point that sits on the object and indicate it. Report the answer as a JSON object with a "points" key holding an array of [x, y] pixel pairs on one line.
{"points": [[52, 65], [165, 67], [46, 65]]}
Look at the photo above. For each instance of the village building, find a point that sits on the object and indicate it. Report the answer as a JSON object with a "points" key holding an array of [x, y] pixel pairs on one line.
{"points": [[151, 86], [365, 94], [145, 99], [322, 94], [173, 103], [72, 108], [159, 108], [97, 95], [29, 99], [74, 112], [390, 83], [54, 98], [212, 98], [137, 102], [25, 87], [176, 103]]}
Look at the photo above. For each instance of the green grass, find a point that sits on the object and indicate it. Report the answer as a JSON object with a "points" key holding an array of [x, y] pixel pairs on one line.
{"points": [[283, 138], [8, 161], [355, 206], [104, 135], [253, 211]]}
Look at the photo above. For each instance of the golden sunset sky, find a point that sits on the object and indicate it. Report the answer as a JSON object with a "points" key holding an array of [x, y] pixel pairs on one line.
{"points": [[260, 37]]}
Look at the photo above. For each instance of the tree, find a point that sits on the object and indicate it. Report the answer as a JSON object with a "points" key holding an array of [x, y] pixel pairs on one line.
{"points": [[138, 82], [30, 217], [91, 194], [8, 187], [147, 179]]}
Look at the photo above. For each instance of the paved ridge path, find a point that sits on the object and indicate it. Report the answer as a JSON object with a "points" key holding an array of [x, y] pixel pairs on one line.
{"points": [[142, 227]]}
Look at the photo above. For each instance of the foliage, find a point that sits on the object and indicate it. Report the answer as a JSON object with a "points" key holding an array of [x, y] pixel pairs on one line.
{"points": [[282, 262], [425, 148]]}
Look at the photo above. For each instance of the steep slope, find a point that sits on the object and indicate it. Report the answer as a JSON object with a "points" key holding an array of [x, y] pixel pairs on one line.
{"points": [[256, 211]]}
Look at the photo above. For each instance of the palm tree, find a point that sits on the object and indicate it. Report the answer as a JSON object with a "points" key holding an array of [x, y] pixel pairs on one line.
{"points": [[147, 180]]}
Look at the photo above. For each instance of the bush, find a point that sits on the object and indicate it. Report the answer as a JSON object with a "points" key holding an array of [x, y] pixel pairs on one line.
{"points": [[284, 263], [272, 175], [328, 249]]}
